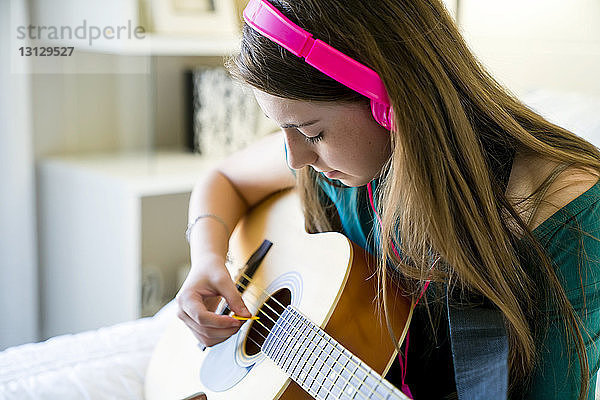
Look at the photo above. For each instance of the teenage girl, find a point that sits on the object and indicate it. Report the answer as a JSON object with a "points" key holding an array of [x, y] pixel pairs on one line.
{"points": [[466, 196]]}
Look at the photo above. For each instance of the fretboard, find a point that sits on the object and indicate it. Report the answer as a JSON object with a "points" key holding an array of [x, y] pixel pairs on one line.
{"points": [[322, 366]]}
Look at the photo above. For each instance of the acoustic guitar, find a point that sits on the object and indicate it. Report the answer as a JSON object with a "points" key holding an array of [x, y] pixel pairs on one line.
{"points": [[320, 334]]}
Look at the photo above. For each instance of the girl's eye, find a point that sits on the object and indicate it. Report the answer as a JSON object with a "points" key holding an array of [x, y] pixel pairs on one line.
{"points": [[314, 139]]}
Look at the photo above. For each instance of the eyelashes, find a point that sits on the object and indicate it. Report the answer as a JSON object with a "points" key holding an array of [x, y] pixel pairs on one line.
{"points": [[314, 139]]}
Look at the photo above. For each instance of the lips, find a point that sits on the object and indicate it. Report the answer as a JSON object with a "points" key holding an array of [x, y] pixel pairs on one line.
{"points": [[332, 174]]}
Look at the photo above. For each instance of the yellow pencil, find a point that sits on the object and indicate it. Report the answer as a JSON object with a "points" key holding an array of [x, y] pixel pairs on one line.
{"points": [[253, 318]]}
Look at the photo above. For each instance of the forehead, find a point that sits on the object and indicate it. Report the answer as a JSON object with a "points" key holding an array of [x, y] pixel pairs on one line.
{"points": [[285, 111], [279, 108]]}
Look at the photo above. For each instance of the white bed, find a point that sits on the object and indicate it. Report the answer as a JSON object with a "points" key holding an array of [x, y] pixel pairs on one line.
{"points": [[110, 363]]}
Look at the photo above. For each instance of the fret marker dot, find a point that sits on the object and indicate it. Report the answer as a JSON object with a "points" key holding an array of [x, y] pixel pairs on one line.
{"points": [[349, 391]]}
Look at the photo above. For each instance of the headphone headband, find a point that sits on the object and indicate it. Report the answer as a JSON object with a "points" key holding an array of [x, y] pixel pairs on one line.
{"points": [[263, 17]]}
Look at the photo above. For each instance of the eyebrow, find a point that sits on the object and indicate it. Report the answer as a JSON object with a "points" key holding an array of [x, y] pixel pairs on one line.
{"points": [[286, 126], [300, 125]]}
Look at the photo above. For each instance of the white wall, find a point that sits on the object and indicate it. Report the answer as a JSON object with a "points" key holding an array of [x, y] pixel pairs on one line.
{"points": [[18, 255], [526, 44]]}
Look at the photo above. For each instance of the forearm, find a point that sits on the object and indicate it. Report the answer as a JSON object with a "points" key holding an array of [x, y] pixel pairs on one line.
{"points": [[213, 195]]}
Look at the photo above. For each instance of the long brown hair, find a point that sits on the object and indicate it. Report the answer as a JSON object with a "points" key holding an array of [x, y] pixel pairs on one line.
{"points": [[438, 194]]}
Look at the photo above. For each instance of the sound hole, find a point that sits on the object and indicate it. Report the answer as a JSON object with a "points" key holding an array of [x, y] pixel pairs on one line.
{"points": [[269, 313]]}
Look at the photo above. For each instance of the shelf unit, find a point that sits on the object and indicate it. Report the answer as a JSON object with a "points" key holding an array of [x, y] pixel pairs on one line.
{"points": [[105, 217], [109, 218]]}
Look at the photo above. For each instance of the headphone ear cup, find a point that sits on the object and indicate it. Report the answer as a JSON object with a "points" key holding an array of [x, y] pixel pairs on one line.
{"points": [[383, 114]]}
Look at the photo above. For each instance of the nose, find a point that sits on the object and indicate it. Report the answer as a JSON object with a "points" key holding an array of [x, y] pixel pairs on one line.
{"points": [[299, 152]]}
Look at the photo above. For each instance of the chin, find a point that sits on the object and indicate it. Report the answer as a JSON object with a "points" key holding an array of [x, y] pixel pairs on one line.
{"points": [[353, 181]]}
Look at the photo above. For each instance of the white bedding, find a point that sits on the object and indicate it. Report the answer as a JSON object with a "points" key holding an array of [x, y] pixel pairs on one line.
{"points": [[109, 363]]}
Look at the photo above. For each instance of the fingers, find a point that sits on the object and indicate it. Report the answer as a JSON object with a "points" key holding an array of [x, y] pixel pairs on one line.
{"points": [[206, 335], [200, 292], [211, 304], [233, 297], [194, 307]]}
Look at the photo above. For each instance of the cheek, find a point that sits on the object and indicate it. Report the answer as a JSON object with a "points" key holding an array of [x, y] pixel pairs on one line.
{"points": [[358, 158], [377, 152], [359, 145]]}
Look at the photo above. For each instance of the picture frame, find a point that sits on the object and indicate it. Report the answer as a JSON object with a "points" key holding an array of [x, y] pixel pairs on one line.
{"points": [[194, 17], [224, 116]]}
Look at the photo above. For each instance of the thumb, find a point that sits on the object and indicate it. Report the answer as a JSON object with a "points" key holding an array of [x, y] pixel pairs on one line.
{"points": [[234, 300]]}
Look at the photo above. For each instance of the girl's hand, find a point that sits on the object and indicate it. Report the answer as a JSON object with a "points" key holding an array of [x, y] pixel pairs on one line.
{"points": [[206, 283]]}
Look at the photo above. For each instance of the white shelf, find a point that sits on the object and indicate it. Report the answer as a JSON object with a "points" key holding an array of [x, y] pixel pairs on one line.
{"points": [[141, 174], [103, 219], [157, 45]]}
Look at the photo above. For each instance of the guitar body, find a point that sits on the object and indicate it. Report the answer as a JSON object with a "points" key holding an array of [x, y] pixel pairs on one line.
{"points": [[329, 279]]}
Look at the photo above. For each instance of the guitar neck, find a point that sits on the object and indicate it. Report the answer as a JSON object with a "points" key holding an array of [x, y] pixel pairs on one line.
{"points": [[321, 365]]}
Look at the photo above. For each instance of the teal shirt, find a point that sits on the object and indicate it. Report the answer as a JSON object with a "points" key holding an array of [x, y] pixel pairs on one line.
{"points": [[559, 234], [557, 375]]}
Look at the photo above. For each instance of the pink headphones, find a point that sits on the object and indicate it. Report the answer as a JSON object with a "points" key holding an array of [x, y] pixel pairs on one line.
{"points": [[263, 17]]}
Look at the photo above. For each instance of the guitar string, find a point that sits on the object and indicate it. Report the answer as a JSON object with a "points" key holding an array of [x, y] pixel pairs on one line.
{"points": [[351, 374], [329, 392], [339, 375], [358, 365]]}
